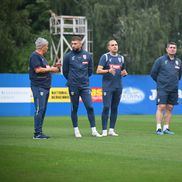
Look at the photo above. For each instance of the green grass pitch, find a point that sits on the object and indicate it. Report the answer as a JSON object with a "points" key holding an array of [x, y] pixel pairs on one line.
{"points": [[136, 155]]}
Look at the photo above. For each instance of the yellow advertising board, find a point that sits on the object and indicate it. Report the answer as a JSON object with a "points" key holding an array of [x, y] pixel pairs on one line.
{"points": [[62, 95], [59, 95]]}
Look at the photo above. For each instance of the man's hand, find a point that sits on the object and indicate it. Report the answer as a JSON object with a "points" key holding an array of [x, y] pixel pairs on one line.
{"points": [[124, 73], [112, 71], [55, 69]]}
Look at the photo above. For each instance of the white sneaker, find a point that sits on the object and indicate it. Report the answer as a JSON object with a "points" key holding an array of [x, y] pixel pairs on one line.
{"points": [[96, 134], [77, 132], [112, 133], [104, 133], [78, 135]]}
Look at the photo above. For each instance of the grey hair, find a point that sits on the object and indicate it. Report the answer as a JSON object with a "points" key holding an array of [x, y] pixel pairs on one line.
{"points": [[40, 42]]}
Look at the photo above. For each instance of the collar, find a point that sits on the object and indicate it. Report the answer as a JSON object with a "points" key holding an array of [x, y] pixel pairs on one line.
{"points": [[170, 58], [39, 52]]}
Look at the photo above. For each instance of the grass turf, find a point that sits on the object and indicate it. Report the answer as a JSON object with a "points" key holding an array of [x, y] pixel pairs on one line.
{"points": [[137, 155]]}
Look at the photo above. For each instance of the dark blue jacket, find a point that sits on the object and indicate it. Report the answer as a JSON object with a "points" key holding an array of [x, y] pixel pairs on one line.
{"points": [[77, 67], [167, 73]]}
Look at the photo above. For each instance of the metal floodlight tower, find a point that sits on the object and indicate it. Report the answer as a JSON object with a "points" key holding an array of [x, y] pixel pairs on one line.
{"points": [[62, 28]]}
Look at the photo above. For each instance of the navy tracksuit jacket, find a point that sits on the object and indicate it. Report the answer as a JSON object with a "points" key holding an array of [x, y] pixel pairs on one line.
{"points": [[166, 73], [77, 68]]}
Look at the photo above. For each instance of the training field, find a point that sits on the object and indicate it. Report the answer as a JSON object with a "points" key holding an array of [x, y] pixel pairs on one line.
{"points": [[137, 155]]}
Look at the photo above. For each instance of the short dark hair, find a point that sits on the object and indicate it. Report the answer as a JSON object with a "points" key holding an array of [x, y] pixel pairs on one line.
{"points": [[74, 38], [171, 43]]}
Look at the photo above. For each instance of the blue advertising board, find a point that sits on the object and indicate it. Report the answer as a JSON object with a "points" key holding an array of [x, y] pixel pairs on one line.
{"points": [[138, 97]]}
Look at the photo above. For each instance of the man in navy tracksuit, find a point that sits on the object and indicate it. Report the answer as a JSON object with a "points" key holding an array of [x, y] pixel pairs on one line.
{"points": [[40, 77], [166, 72], [77, 68], [112, 66]]}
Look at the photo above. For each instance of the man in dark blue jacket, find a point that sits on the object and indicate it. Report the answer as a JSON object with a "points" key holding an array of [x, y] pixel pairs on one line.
{"points": [[166, 72], [77, 68]]}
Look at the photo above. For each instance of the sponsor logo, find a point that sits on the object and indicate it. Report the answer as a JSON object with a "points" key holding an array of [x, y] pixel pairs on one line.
{"points": [[115, 66], [73, 58], [41, 93], [84, 62], [131, 95], [15, 95], [72, 93], [84, 56], [154, 94], [177, 67], [59, 95], [96, 94]]}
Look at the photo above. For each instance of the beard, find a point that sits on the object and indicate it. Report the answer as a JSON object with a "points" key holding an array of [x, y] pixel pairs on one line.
{"points": [[76, 49]]}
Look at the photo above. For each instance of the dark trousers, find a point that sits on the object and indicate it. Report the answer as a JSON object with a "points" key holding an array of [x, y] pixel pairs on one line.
{"points": [[111, 100], [41, 96], [85, 94]]}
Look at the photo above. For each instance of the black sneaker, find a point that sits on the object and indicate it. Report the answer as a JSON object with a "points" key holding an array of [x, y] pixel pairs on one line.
{"points": [[41, 136]]}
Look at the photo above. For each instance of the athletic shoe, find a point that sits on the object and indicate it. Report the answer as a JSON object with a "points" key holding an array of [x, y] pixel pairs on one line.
{"points": [[159, 132], [41, 136], [112, 133], [104, 133], [96, 134], [78, 134], [167, 131], [45, 135]]}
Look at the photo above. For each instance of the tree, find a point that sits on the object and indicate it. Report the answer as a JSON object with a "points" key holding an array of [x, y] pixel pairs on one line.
{"points": [[14, 33], [22, 21], [142, 38], [141, 27]]}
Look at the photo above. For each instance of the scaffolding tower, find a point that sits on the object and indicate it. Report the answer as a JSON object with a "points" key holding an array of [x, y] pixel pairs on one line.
{"points": [[62, 28]]}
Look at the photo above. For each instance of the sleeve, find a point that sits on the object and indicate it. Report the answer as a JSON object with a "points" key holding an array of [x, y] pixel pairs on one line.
{"points": [[35, 62], [123, 63], [180, 70], [66, 66], [155, 70], [102, 61], [90, 65]]}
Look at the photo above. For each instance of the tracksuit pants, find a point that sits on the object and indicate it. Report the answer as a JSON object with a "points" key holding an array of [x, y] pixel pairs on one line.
{"points": [[111, 100], [85, 94], [41, 96]]}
